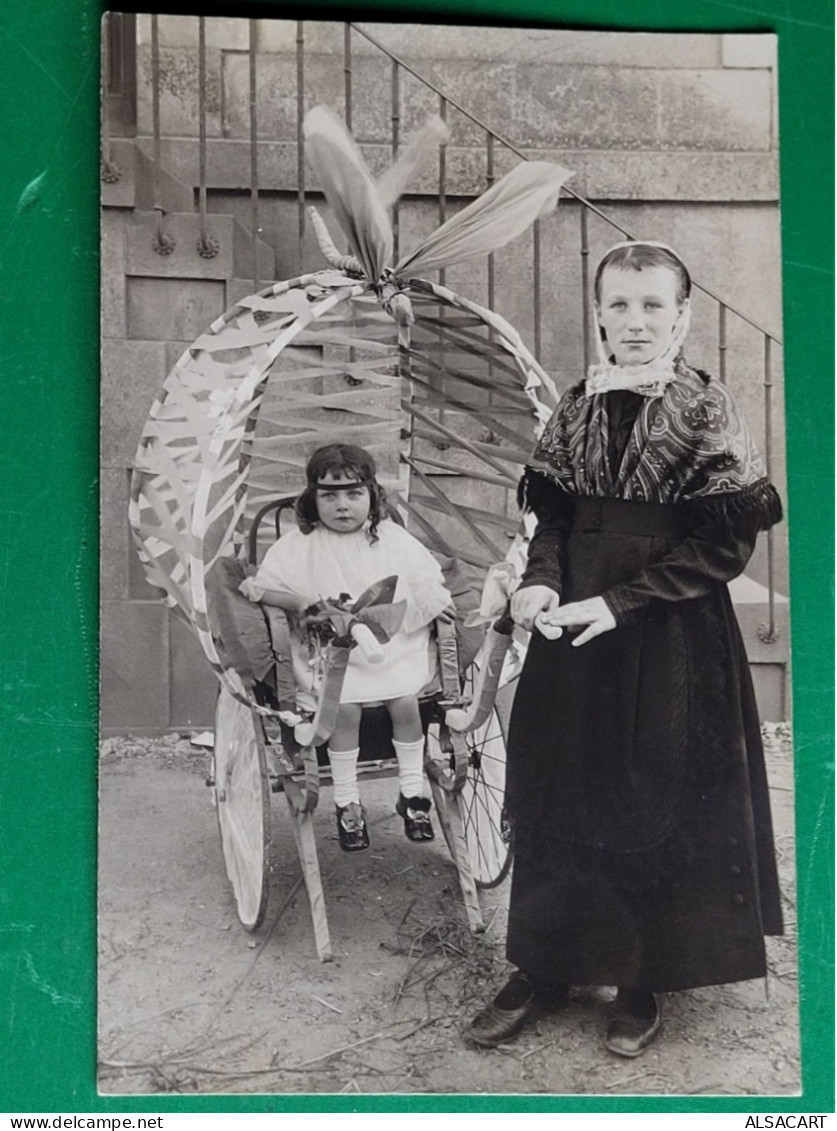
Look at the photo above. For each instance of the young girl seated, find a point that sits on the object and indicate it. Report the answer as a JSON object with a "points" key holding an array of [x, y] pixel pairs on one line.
{"points": [[344, 543]]}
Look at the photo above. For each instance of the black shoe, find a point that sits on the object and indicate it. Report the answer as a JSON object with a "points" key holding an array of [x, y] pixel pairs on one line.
{"points": [[637, 1022], [511, 1009], [497, 1023], [352, 830], [415, 812]]}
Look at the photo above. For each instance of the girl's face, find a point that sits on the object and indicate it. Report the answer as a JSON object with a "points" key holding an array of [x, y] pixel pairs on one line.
{"points": [[637, 311], [344, 510]]}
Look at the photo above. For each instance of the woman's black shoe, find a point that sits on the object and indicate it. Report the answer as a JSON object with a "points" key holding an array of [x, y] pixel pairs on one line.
{"points": [[352, 831], [415, 812], [636, 1023], [516, 1002], [496, 1024]]}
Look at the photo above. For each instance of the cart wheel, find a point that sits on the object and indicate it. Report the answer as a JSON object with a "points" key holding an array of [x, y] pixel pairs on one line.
{"points": [[480, 802], [242, 795]]}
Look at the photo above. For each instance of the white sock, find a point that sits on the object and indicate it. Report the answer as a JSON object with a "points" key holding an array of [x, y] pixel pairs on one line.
{"points": [[410, 757], [344, 775]]}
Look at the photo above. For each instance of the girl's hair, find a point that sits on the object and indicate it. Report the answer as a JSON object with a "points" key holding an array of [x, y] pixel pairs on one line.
{"points": [[639, 255], [352, 462]]}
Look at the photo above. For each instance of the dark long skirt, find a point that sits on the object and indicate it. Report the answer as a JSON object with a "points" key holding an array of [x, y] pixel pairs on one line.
{"points": [[637, 791]]}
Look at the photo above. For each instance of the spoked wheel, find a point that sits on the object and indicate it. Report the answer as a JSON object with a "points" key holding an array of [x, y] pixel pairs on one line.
{"points": [[487, 831], [480, 803], [242, 794]]}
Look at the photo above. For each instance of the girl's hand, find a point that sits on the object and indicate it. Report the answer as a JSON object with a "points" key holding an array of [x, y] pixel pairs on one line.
{"points": [[593, 615], [529, 603], [447, 615], [285, 599]]}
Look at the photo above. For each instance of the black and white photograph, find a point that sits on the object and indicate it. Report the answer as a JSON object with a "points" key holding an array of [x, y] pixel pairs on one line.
{"points": [[445, 724]]}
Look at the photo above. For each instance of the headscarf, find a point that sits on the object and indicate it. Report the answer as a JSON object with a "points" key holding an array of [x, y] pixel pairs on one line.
{"points": [[652, 378]]}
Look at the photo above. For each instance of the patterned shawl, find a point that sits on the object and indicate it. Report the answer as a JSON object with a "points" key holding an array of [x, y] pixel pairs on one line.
{"points": [[689, 444]]}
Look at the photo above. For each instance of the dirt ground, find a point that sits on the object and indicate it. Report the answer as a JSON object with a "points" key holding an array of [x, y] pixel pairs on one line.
{"points": [[189, 1002]]}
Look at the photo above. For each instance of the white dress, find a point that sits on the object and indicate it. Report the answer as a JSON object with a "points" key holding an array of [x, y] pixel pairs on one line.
{"points": [[326, 563]]}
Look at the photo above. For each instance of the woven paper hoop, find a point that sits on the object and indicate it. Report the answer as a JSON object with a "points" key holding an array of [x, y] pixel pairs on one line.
{"points": [[315, 360]]}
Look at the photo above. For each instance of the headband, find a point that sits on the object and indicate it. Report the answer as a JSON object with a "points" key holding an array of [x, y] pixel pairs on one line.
{"points": [[320, 486]]}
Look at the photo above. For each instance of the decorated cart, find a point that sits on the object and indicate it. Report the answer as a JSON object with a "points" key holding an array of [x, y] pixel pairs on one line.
{"points": [[446, 396]]}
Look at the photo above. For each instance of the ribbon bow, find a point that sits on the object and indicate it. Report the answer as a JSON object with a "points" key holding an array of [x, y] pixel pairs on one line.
{"points": [[361, 207], [376, 608]]}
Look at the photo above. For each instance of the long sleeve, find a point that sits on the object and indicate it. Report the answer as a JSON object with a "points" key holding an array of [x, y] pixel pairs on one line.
{"points": [[553, 509], [717, 550]]}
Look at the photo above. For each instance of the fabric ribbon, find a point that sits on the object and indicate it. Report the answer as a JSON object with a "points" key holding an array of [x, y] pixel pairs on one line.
{"points": [[360, 204], [502, 580], [349, 189]]}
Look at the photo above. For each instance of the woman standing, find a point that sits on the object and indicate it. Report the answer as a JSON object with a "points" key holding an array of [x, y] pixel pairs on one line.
{"points": [[636, 784]]}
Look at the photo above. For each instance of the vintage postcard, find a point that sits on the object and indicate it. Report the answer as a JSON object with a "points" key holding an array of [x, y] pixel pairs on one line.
{"points": [[446, 735]]}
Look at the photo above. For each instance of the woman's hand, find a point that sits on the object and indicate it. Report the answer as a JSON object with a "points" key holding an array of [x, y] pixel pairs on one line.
{"points": [[533, 603], [593, 615]]}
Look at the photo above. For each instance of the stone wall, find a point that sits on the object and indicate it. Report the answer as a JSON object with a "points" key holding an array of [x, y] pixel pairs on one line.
{"points": [[642, 117]]}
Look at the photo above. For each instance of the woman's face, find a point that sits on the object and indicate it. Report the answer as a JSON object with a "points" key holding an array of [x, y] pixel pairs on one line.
{"points": [[637, 311], [344, 510]]}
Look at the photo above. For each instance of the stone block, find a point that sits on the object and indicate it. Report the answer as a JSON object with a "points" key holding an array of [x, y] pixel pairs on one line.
{"points": [[748, 51], [671, 175], [750, 600], [614, 174], [238, 289], [778, 472], [582, 107], [772, 687], [173, 309], [112, 253], [114, 537], [178, 87], [276, 107], [139, 186], [535, 104], [182, 31], [529, 45], [194, 686], [121, 193], [319, 37], [445, 41], [134, 665], [721, 110], [247, 252], [138, 587], [183, 261], [158, 186], [562, 309], [174, 352], [132, 375], [235, 254]]}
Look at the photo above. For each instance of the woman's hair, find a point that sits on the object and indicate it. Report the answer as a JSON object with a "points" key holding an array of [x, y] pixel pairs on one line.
{"points": [[639, 255], [352, 462]]}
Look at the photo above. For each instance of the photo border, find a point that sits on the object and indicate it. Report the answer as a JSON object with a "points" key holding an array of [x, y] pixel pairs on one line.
{"points": [[49, 277]]}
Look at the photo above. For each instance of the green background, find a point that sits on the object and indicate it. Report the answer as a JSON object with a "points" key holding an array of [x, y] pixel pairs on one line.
{"points": [[49, 74]]}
